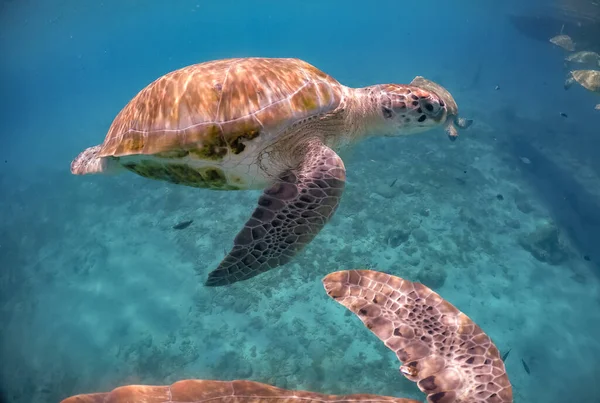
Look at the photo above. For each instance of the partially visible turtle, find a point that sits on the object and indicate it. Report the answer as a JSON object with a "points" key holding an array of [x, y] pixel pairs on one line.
{"points": [[588, 79], [260, 123], [449, 357], [584, 57], [563, 41]]}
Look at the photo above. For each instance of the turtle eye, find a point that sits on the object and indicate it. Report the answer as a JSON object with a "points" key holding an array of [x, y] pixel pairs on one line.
{"points": [[386, 107], [387, 112]]}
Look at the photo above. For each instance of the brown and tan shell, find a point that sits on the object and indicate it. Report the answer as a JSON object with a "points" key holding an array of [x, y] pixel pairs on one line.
{"points": [[588, 79], [209, 391], [210, 109]]}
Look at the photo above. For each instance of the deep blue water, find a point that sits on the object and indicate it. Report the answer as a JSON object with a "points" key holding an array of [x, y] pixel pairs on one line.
{"points": [[98, 291]]}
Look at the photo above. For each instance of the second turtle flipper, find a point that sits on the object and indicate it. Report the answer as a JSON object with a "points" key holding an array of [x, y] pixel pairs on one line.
{"points": [[449, 357]]}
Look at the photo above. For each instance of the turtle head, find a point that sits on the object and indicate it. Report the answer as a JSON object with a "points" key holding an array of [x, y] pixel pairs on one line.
{"points": [[451, 120], [407, 109]]}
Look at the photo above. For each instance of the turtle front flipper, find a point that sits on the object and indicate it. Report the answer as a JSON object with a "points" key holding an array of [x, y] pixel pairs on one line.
{"points": [[569, 82], [463, 123], [449, 357], [290, 213], [451, 130]]}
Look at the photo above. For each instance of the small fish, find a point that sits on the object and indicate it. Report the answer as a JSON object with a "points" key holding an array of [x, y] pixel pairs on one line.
{"points": [[586, 258], [505, 356], [183, 224], [394, 182], [564, 115], [497, 88], [525, 366]]}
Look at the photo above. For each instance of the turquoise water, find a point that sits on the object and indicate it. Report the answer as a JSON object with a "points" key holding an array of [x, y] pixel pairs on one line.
{"points": [[97, 289]]}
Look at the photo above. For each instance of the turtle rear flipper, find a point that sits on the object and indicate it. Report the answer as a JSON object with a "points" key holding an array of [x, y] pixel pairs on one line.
{"points": [[88, 162], [290, 213], [449, 357]]}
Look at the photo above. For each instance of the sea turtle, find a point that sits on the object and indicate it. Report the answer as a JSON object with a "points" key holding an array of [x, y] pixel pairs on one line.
{"points": [[583, 58], [563, 41], [262, 123], [442, 349], [588, 79]]}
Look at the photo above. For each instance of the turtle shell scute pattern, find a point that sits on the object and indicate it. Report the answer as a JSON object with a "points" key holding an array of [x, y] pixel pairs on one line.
{"points": [[239, 391], [211, 109], [588, 79]]}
